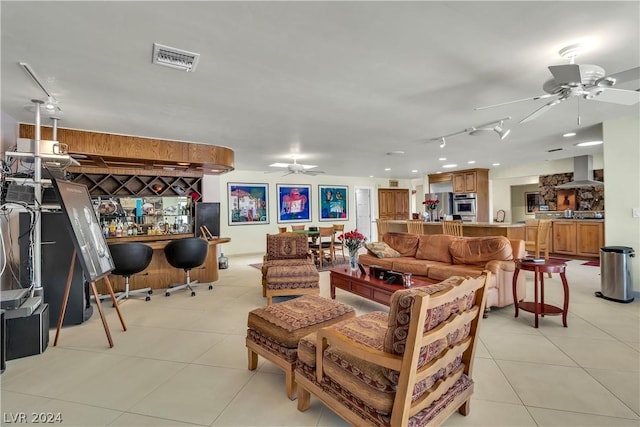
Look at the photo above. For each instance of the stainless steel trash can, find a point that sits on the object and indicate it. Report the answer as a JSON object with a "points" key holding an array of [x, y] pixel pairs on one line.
{"points": [[615, 273]]}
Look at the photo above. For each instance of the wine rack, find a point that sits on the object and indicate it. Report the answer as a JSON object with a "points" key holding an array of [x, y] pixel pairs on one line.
{"points": [[108, 184]]}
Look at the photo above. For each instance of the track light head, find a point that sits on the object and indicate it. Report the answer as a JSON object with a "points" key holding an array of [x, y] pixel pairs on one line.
{"points": [[443, 143], [500, 131]]}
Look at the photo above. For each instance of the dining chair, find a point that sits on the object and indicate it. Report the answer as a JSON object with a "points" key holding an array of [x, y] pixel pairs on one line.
{"points": [[538, 237], [324, 248], [414, 226], [297, 227], [453, 228], [383, 227], [282, 229], [338, 229]]}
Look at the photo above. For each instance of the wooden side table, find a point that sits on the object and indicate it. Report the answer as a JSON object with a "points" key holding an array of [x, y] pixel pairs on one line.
{"points": [[539, 308]]}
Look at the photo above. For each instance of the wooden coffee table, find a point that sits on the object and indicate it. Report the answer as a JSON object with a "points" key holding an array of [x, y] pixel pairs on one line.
{"points": [[367, 286]]}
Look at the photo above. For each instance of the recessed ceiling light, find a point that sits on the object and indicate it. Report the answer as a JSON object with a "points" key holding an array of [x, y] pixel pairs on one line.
{"points": [[568, 134], [415, 171], [442, 159], [449, 166], [495, 164], [387, 169], [471, 162], [588, 143], [370, 176]]}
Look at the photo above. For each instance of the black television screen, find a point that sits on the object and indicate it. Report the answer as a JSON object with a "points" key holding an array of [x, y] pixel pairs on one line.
{"points": [[207, 214]]}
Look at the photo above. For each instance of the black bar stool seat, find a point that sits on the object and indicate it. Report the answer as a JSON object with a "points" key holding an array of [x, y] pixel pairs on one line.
{"points": [[130, 258], [186, 254]]}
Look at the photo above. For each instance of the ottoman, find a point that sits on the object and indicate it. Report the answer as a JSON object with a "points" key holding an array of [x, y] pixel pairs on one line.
{"points": [[273, 332], [295, 279]]}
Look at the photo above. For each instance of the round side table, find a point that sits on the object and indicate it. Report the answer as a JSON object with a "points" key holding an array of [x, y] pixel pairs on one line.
{"points": [[538, 307]]}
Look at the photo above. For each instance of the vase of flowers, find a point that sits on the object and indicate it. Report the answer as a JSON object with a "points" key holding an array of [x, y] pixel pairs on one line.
{"points": [[432, 205], [352, 240]]}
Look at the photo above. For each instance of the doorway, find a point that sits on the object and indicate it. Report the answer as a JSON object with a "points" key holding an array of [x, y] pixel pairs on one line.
{"points": [[363, 211]]}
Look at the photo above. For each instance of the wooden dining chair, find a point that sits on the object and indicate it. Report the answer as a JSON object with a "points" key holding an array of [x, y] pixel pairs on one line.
{"points": [[383, 227], [338, 229], [538, 237], [414, 226], [453, 228], [297, 227], [282, 229], [323, 249]]}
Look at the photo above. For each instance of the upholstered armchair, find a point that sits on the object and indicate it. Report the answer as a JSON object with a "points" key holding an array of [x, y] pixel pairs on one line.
{"points": [[288, 267], [410, 367]]}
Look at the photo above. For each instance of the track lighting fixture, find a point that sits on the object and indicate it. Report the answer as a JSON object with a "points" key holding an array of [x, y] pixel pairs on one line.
{"points": [[52, 103], [494, 126]]}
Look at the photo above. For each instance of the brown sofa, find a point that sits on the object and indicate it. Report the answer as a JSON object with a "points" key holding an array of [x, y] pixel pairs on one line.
{"points": [[437, 257]]}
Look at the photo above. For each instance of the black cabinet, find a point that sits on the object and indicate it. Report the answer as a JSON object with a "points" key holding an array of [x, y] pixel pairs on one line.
{"points": [[57, 249]]}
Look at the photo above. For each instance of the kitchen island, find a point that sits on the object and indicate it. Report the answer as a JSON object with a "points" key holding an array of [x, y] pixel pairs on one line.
{"points": [[479, 229]]}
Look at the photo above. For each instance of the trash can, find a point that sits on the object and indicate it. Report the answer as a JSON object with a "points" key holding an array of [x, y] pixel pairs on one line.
{"points": [[615, 273]]}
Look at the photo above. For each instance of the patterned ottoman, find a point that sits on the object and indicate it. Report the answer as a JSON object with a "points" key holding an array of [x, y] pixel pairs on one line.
{"points": [[292, 280], [274, 331]]}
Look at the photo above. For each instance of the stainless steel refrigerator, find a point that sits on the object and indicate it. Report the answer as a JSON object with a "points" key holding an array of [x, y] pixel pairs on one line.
{"points": [[445, 207]]}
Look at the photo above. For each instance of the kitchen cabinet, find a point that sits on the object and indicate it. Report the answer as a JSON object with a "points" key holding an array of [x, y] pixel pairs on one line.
{"points": [[590, 238], [564, 237], [393, 203], [465, 182]]}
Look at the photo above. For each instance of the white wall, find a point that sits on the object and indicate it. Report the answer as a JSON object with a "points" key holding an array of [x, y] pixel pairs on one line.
{"points": [[622, 187], [251, 238]]}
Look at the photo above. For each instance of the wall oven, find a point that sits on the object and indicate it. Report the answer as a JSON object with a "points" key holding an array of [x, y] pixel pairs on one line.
{"points": [[464, 204]]}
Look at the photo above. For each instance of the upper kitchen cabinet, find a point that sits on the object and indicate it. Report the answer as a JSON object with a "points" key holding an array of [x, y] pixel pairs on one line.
{"points": [[471, 181]]}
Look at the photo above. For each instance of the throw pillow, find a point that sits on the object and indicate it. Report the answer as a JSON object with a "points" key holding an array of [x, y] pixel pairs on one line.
{"points": [[381, 250]]}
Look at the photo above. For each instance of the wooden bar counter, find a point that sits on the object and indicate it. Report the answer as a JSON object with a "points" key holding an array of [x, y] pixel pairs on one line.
{"points": [[160, 274], [512, 231]]}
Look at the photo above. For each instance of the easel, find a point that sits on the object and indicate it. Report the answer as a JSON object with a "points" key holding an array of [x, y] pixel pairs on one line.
{"points": [[206, 233], [65, 302]]}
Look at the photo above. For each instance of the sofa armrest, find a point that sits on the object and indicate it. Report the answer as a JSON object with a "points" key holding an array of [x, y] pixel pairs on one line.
{"points": [[517, 247], [502, 278]]}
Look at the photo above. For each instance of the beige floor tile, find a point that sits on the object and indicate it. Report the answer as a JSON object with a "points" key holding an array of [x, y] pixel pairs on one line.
{"points": [[228, 320], [329, 419], [61, 413], [230, 352], [563, 388], [121, 386], [197, 394], [484, 413], [129, 420], [554, 418], [596, 353], [481, 350], [490, 383], [157, 316], [576, 328], [14, 404], [266, 396], [624, 385], [525, 348]]}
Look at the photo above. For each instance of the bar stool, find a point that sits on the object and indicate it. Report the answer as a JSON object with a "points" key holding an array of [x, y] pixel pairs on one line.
{"points": [[129, 259], [186, 254]]}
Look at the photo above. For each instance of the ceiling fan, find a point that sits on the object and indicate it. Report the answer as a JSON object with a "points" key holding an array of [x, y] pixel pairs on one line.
{"points": [[586, 81], [296, 168]]}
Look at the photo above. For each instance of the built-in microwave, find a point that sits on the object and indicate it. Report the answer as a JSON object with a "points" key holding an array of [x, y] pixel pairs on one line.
{"points": [[464, 204]]}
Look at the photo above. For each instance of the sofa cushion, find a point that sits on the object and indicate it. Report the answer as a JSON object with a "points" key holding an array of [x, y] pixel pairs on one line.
{"points": [[444, 271], [405, 243], [410, 265], [381, 250], [369, 259], [478, 250], [435, 247]]}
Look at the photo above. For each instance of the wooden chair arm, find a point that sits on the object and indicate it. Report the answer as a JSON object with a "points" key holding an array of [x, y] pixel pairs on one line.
{"points": [[330, 335]]}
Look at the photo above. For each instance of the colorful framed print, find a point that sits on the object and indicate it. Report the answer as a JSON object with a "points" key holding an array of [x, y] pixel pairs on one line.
{"points": [[334, 202], [294, 203], [248, 203]]}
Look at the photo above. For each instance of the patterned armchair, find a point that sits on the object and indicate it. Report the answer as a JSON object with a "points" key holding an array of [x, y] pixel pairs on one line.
{"points": [[288, 267], [411, 367]]}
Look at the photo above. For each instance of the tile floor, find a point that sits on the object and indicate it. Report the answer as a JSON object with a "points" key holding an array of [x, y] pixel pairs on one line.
{"points": [[183, 362]]}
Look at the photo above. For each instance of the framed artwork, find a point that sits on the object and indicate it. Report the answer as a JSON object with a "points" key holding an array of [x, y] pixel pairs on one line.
{"points": [[532, 202], [91, 247], [294, 202], [334, 202], [248, 203]]}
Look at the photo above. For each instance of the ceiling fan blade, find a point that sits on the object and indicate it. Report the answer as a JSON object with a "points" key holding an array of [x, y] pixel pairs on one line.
{"points": [[279, 165], [621, 77], [566, 74], [616, 96], [535, 98], [543, 109], [312, 173]]}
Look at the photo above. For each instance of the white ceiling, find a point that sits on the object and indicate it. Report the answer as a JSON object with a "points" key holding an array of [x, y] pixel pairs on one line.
{"points": [[341, 83]]}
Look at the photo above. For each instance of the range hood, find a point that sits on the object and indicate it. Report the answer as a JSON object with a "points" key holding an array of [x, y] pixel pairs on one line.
{"points": [[582, 174]]}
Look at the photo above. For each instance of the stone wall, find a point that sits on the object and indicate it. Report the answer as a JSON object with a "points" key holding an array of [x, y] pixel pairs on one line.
{"points": [[587, 199]]}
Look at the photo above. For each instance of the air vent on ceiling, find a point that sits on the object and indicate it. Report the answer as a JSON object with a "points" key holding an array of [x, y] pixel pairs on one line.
{"points": [[554, 149], [175, 58]]}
